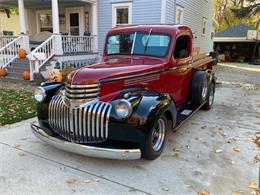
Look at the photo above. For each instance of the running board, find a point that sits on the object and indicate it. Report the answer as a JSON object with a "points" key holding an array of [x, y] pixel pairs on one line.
{"points": [[185, 113]]}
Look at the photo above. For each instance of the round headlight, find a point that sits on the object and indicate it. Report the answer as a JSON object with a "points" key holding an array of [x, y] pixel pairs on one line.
{"points": [[123, 108], [39, 94]]}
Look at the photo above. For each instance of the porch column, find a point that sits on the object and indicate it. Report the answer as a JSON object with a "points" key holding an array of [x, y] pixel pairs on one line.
{"points": [[56, 28], [95, 25], [55, 17], [22, 17], [25, 38]]}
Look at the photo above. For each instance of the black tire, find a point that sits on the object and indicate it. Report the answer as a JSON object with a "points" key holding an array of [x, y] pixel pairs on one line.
{"points": [[199, 88], [150, 151], [210, 97]]}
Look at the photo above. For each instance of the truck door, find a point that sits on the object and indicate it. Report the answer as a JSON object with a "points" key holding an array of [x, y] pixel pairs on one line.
{"points": [[181, 72]]}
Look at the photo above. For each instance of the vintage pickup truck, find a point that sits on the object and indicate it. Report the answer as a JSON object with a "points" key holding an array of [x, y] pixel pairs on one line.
{"points": [[147, 83]]}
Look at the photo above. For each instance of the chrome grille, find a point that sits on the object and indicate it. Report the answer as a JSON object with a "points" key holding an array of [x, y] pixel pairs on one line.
{"points": [[88, 124], [81, 93]]}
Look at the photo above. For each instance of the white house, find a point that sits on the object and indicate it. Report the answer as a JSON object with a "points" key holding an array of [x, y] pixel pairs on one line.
{"points": [[60, 31]]}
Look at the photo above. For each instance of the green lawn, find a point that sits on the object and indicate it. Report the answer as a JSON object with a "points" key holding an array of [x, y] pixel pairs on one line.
{"points": [[16, 105]]}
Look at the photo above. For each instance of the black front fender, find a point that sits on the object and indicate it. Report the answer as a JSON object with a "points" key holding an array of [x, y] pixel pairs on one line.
{"points": [[148, 106]]}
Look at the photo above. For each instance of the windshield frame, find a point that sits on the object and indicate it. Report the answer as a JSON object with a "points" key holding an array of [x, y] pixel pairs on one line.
{"points": [[136, 32]]}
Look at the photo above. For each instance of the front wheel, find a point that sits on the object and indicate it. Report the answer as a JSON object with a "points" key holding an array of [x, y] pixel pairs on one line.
{"points": [[155, 140]]}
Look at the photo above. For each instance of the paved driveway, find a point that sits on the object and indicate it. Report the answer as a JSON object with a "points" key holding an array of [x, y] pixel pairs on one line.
{"points": [[214, 151]]}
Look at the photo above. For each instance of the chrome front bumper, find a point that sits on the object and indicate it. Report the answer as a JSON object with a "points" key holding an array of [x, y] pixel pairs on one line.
{"points": [[98, 152]]}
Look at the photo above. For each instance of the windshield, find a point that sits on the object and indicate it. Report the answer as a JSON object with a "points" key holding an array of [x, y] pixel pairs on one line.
{"points": [[138, 43]]}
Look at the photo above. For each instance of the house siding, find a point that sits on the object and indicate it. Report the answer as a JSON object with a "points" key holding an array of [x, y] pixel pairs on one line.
{"points": [[143, 12], [194, 11]]}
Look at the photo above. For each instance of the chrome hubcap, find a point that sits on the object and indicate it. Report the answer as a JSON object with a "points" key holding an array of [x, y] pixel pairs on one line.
{"points": [[204, 90], [158, 135], [211, 97]]}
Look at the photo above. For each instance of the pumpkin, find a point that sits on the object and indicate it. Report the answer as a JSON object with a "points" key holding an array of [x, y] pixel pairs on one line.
{"points": [[3, 72], [26, 75], [22, 53], [56, 75]]}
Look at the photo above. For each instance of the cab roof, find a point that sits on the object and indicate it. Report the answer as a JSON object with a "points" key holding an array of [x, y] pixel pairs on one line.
{"points": [[163, 28]]}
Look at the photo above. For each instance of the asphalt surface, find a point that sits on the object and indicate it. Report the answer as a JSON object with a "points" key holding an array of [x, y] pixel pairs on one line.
{"points": [[213, 152]]}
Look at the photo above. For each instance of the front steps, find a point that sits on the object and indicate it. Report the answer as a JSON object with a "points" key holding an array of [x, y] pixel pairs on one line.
{"points": [[16, 69]]}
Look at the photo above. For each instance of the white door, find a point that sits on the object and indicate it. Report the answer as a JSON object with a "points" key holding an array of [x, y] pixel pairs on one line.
{"points": [[75, 21]]}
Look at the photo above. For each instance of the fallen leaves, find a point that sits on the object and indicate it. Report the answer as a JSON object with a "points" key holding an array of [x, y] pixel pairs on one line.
{"points": [[11, 111], [87, 181], [219, 151], [22, 154], [71, 180], [165, 189], [257, 140], [231, 141], [16, 145], [237, 149], [234, 193], [204, 192], [222, 132], [176, 151], [199, 139], [257, 158], [252, 184]]}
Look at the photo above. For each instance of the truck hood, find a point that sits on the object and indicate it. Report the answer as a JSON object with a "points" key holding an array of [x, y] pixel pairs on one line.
{"points": [[116, 68]]}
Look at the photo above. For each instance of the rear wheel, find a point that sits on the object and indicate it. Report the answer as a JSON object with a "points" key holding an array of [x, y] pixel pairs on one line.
{"points": [[199, 88], [210, 97], [155, 140]]}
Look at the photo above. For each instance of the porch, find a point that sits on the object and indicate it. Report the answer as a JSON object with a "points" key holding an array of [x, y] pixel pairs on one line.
{"points": [[52, 32]]}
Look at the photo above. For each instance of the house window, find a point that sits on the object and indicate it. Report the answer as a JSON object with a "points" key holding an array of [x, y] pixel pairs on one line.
{"points": [[204, 26], [44, 21], [122, 13], [179, 15]]}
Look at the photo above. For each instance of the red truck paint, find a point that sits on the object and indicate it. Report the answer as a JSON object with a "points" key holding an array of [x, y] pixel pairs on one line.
{"points": [[165, 75]]}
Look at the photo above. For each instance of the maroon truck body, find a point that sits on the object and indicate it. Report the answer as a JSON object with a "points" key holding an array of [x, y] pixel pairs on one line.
{"points": [[148, 82]]}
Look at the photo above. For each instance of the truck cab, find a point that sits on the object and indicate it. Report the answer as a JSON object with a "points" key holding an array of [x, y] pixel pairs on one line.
{"points": [[147, 83]]}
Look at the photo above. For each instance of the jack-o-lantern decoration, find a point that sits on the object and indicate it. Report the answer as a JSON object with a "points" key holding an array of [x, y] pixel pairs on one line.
{"points": [[3, 72], [26, 75], [56, 75], [22, 53]]}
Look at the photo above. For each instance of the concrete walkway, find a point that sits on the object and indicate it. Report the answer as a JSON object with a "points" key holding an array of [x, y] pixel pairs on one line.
{"points": [[214, 152]]}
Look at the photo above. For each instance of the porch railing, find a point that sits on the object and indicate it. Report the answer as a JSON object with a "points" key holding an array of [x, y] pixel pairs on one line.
{"points": [[40, 55], [4, 40], [8, 53], [77, 44]]}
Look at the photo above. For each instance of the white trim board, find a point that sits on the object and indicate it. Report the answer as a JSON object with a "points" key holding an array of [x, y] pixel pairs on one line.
{"points": [[163, 11], [122, 5], [80, 11], [231, 39]]}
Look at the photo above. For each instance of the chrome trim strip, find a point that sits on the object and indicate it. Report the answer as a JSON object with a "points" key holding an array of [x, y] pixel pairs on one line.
{"points": [[82, 86], [98, 152], [68, 90], [94, 118], [103, 120], [92, 95], [107, 120]]}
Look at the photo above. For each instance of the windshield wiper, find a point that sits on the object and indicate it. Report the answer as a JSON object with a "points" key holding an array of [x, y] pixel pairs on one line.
{"points": [[147, 41]]}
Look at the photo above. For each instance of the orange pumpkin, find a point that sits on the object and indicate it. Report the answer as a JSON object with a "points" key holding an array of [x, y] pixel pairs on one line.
{"points": [[22, 53], [26, 75], [56, 75], [3, 72]]}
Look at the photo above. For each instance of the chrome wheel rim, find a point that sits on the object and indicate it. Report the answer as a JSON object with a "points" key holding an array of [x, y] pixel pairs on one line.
{"points": [[211, 97], [158, 135], [204, 90]]}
